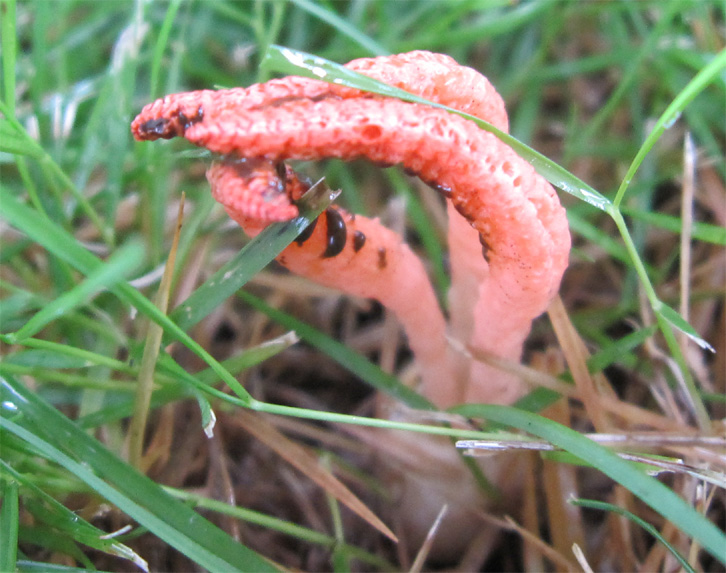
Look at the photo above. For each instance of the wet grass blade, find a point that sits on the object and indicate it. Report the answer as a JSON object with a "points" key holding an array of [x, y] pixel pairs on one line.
{"points": [[254, 257], [45, 509], [295, 62], [662, 499], [9, 521], [40, 425]]}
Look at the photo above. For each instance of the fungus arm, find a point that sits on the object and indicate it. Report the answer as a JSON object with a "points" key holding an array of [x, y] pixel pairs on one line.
{"points": [[351, 253], [516, 214]]}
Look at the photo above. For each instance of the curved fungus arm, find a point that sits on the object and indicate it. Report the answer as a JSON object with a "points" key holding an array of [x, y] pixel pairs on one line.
{"points": [[351, 253], [520, 223]]}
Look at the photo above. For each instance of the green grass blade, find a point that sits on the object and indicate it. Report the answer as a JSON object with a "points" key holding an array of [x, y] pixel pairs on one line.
{"points": [[9, 520], [648, 489], [55, 356], [633, 68], [47, 538], [700, 81], [666, 316], [36, 150], [343, 26], [615, 350], [11, 143], [34, 421], [161, 45], [680, 323], [289, 61], [118, 267], [123, 409], [277, 524], [25, 566], [46, 509], [41, 359], [591, 231], [594, 504], [354, 362], [255, 256], [63, 245], [9, 54], [187, 384], [437, 32], [701, 231]]}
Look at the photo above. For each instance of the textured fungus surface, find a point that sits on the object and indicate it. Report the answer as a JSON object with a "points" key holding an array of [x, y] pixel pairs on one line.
{"points": [[516, 214]]}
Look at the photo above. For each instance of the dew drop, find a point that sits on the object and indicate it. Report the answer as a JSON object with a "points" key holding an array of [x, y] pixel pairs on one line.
{"points": [[10, 406], [668, 124]]}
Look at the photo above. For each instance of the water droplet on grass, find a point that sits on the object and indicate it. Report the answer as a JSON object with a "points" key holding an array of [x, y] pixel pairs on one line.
{"points": [[669, 123], [10, 406]]}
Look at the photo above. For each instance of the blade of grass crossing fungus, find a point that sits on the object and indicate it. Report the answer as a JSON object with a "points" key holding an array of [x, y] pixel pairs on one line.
{"points": [[255, 256], [289, 61], [659, 497], [37, 423]]}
